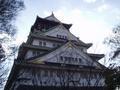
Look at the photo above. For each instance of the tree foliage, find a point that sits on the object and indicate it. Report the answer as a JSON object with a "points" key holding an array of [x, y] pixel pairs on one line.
{"points": [[113, 74], [114, 41], [9, 9], [8, 12], [2, 53], [112, 78]]}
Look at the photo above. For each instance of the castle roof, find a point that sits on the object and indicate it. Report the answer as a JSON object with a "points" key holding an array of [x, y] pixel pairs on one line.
{"points": [[52, 18], [66, 47], [96, 56]]}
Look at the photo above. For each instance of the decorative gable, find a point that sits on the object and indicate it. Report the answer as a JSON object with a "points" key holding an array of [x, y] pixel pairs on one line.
{"points": [[61, 32], [68, 54]]}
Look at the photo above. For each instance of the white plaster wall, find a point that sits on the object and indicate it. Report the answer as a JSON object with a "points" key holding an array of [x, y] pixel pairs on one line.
{"points": [[55, 77], [48, 43], [72, 52], [29, 54], [68, 52], [61, 30], [35, 42]]}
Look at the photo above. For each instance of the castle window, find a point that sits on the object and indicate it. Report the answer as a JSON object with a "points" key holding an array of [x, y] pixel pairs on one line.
{"points": [[44, 43], [66, 59], [36, 53], [80, 60], [76, 59], [51, 74], [53, 44], [39, 26], [65, 37], [61, 58], [40, 43], [45, 73], [61, 36], [58, 36], [56, 45], [72, 59]]}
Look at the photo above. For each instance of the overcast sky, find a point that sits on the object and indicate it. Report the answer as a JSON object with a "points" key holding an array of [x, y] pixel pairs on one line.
{"points": [[92, 20]]}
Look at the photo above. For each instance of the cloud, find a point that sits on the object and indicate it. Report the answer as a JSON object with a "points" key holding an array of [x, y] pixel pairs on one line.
{"points": [[110, 13], [90, 1], [116, 13], [103, 1], [94, 1], [88, 29], [118, 17], [103, 8]]}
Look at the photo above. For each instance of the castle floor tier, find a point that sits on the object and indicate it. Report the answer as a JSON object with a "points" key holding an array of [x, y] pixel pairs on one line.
{"points": [[53, 58]]}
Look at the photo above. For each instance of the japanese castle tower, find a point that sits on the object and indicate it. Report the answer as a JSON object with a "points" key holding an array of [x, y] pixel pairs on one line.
{"points": [[53, 58]]}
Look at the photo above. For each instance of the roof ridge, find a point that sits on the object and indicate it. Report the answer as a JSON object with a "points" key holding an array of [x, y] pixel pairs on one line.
{"points": [[65, 24], [54, 28], [53, 16]]}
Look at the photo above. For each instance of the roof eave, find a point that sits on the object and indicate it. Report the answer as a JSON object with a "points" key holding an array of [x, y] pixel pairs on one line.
{"points": [[97, 56], [66, 25]]}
